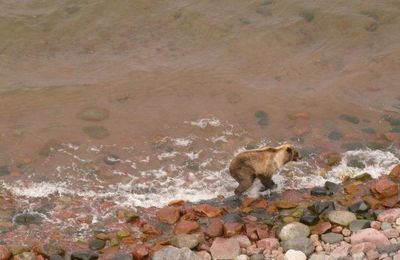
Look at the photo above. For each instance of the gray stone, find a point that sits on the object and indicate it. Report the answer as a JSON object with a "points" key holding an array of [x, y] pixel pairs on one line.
{"points": [[302, 244], [185, 240], [294, 230], [332, 238], [318, 256], [359, 224], [386, 225], [84, 256], [340, 217], [170, 252], [257, 257], [97, 244], [387, 249]]}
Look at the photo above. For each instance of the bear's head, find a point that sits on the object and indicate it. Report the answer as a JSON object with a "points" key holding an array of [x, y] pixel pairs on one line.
{"points": [[292, 154]]}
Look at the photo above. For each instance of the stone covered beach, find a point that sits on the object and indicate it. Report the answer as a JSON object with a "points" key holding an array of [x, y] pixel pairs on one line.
{"points": [[356, 220]]}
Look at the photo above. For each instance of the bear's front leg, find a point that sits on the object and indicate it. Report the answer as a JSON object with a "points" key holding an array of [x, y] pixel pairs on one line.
{"points": [[267, 182]]}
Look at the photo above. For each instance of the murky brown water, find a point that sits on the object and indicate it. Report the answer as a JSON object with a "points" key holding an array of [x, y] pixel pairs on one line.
{"points": [[267, 71]]}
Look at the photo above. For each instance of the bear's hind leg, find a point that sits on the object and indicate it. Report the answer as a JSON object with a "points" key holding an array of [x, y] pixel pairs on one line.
{"points": [[245, 178], [267, 182]]}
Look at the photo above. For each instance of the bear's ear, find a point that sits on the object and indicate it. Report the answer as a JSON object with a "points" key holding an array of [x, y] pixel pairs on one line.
{"points": [[289, 150]]}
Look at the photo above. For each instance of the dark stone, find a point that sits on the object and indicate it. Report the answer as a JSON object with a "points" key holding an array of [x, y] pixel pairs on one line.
{"points": [[377, 146], [111, 159], [263, 119], [244, 20], [96, 132], [300, 243], [52, 249], [320, 207], [335, 135], [320, 191], [359, 207], [307, 15], [263, 216], [359, 224], [122, 257], [373, 27], [97, 244], [395, 129], [331, 186], [356, 164], [27, 218], [350, 118], [368, 130], [84, 256], [363, 177], [352, 146], [4, 170], [191, 165], [391, 120], [56, 257], [309, 219], [232, 218]]}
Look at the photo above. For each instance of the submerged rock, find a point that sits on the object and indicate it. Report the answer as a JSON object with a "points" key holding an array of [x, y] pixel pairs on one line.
{"points": [[96, 132], [97, 244], [4, 170], [309, 219], [93, 114], [320, 191], [349, 118], [27, 218], [332, 238], [320, 207]]}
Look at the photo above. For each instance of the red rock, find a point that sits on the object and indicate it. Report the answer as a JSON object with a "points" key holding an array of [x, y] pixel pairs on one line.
{"points": [[389, 215], [268, 243], [4, 253], [262, 232], [322, 227], [373, 254], [369, 235], [251, 231], [190, 215], [362, 247], [376, 225], [395, 173], [203, 255], [176, 203], [231, 229], [215, 228], [223, 248], [151, 230], [341, 251], [393, 137], [185, 227], [248, 201], [40, 257], [243, 240], [140, 252], [391, 201], [208, 210], [262, 204], [372, 202], [384, 188], [168, 215]]}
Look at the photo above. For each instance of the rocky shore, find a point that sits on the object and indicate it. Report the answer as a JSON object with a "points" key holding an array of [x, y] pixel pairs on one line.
{"points": [[356, 220]]}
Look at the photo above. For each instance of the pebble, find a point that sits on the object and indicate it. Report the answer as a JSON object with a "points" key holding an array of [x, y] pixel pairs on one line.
{"points": [[295, 255], [97, 244], [257, 257], [341, 217], [332, 238], [369, 235], [346, 232], [358, 256], [84, 256], [303, 244], [294, 230], [242, 257], [320, 256], [385, 225], [185, 240], [359, 224], [170, 252], [223, 248]]}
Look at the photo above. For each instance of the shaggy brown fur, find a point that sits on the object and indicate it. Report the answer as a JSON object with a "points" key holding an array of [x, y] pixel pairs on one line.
{"points": [[260, 163]]}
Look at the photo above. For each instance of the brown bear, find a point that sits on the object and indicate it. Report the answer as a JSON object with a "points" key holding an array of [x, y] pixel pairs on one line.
{"points": [[260, 163]]}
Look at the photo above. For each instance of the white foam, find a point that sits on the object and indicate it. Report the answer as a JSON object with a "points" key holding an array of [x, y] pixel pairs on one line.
{"points": [[182, 141], [203, 123]]}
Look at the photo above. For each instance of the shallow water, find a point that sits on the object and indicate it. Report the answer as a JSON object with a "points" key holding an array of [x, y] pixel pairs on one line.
{"points": [[186, 85]]}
